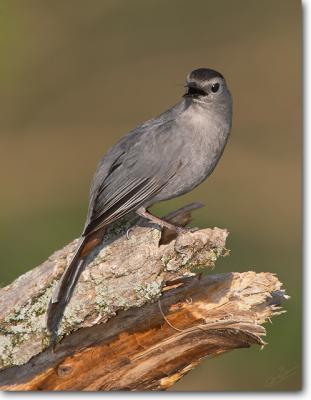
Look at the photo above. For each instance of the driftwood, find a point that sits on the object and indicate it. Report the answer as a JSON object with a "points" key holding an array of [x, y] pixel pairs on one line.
{"points": [[139, 317]]}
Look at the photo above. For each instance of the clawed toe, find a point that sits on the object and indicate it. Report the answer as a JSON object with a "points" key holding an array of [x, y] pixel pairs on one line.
{"points": [[128, 233], [194, 229], [182, 230]]}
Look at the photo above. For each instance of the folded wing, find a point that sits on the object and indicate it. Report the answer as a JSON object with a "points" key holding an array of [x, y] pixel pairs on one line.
{"points": [[132, 173]]}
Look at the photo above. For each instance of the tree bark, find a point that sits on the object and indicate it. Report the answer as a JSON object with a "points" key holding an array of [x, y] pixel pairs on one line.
{"points": [[139, 317]]}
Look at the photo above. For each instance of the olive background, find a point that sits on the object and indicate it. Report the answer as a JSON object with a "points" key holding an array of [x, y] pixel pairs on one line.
{"points": [[75, 76]]}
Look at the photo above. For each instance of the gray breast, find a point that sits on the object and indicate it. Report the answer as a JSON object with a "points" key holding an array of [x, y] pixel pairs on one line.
{"points": [[204, 135]]}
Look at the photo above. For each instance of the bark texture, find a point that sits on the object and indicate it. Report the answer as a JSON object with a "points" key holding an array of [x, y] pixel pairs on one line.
{"points": [[139, 317]]}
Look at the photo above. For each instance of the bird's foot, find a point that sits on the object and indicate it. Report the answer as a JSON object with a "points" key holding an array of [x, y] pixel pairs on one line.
{"points": [[128, 233], [163, 223], [182, 230]]}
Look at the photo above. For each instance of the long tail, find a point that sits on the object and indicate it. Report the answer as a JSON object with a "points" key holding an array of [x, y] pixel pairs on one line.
{"points": [[63, 291]]}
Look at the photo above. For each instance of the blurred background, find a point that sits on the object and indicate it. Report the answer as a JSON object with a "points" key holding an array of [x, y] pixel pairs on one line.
{"points": [[75, 76]]}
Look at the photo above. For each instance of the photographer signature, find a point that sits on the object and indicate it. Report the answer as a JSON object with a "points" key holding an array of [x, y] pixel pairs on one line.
{"points": [[282, 374]]}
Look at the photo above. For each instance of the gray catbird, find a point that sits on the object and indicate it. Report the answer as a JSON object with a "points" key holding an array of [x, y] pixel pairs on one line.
{"points": [[162, 158]]}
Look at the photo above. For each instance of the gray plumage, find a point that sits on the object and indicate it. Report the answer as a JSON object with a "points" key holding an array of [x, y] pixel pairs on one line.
{"points": [[162, 158]]}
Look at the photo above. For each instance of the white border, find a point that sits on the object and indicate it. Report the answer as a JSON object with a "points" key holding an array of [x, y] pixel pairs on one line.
{"points": [[307, 284]]}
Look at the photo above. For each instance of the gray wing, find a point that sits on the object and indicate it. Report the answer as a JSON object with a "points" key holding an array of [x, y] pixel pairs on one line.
{"points": [[133, 172]]}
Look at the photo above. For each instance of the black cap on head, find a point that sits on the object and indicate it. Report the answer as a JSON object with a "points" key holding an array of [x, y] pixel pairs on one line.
{"points": [[201, 75]]}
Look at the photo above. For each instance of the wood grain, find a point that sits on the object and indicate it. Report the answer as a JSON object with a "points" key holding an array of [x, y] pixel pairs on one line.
{"points": [[139, 318]]}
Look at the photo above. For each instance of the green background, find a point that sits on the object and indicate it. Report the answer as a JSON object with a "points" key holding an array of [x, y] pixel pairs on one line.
{"points": [[76, 75]]}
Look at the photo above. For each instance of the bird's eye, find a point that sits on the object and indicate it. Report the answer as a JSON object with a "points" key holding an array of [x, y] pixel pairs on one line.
{"points": [[215, 87]]}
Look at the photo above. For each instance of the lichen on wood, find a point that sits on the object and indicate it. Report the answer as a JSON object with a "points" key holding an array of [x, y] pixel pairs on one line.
{"points": [[120, 273], [137, 299]]}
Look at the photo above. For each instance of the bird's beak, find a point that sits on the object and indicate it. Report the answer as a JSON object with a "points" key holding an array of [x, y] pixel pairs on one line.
{"points": [[187, 94], [194, 92]]}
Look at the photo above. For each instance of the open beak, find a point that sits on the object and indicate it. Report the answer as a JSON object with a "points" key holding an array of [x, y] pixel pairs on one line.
{"points": [[194, 92]]}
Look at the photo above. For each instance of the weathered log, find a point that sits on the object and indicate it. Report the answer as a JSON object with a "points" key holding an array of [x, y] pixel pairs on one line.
{"points": [[139, 318]]}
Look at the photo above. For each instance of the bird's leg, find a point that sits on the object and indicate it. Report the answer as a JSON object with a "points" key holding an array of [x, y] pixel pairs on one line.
{"points": [[164, 224]]}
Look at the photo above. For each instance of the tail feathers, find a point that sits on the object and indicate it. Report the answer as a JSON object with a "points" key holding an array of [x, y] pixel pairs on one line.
{"points": [[64, 289]]}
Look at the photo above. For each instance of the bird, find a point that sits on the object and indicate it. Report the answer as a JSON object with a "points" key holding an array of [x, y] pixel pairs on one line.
{"points": [[162, 158]]}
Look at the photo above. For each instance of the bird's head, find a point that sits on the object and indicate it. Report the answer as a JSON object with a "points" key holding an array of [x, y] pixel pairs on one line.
{"points": [[207, 86]]}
